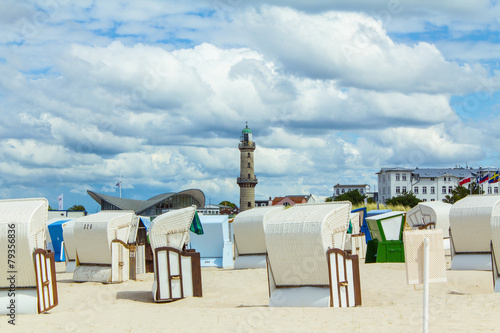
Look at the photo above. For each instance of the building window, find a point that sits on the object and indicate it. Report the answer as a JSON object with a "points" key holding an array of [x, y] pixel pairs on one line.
{"points": [[343, 190], [495, 189], [432, 179], [248, 176], [443, 190], [424, 199], [424, 189], [249, 165], [433, 199], [415, 190], [432, 190], [337, 191], [398, 190], [404, 189], [450, 188], [383, 190], [404, 176], [361, 191], [249, 204], [397, 176], [383, 177], [489, 189]]}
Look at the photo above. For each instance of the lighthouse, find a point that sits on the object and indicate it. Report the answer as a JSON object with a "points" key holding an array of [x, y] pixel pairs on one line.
{"points": [[247, 179]]}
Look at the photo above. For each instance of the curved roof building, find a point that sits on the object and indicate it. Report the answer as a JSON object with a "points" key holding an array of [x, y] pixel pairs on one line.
{"points": [[153, 206]]}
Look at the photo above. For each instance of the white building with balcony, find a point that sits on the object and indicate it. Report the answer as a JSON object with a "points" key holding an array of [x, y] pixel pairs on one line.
{"points": [[341, 189], [428, 184]]}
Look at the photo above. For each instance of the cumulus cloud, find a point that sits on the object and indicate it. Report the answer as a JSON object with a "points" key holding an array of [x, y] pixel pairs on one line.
{"points": [[159, 95]]}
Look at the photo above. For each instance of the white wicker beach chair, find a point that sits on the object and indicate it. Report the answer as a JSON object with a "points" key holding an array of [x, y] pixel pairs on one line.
{"points": [[429, 215], [101, 243], [27, 271], [177, 271], [470, 231], [249, 239], [305, 261]]}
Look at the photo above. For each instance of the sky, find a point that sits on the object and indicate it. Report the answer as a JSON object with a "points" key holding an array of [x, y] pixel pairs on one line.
{"points": [[156, 93]]}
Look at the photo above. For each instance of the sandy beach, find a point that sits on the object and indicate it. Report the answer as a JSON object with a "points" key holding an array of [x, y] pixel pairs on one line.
{"points": [[237, 301]]}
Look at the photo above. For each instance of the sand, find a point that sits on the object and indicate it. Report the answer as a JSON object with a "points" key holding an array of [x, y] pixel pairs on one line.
{"points": [[236, 301]]}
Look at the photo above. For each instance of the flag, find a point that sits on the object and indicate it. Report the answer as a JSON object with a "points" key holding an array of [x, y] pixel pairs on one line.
{"points": [[119, 184], [60, 202], [495, 177], [196, 226], [485, 178], [465, 180]]}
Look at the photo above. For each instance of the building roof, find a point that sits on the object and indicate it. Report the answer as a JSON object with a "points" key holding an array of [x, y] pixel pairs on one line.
{"points": [[139, 206], [356, 185], [395, 169], [246, 130], [294, 198], [438, 172]]}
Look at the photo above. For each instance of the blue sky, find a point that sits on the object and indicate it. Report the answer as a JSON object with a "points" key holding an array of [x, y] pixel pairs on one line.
{"points": [[159, 91]]}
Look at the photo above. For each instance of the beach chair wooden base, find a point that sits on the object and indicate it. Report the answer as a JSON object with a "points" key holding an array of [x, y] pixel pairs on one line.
{"points": [[38, 299], [26, 301], [250, 261], [344, 289], [177, 274], [390, 251], [117, 272]]}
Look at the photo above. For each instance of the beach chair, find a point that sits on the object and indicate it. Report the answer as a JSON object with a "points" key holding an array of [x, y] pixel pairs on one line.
{"points": [[431, 215], [215, 245], [177, 270], [27, 271], [102, 248], [55, 239], [371, 213], [306, 263], [356, 239], [249, 239], [471, 231], [386, 231]]}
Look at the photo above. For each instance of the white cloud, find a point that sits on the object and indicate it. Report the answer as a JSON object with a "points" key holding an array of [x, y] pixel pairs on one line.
{"points": [[159, 95]]}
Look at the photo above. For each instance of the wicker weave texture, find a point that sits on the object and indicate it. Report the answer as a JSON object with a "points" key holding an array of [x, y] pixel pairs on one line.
{"points": [[470, 222], [172, 228], [297, 240], [248, 227], [414, 255], [431, 211], [93, 235], [30, 219]]}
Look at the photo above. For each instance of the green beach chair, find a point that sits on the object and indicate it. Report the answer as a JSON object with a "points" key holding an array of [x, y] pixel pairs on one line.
{"points": [[387, 237]]}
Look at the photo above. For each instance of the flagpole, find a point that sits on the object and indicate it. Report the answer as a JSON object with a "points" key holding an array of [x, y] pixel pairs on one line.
{"points": [[120, 183]]}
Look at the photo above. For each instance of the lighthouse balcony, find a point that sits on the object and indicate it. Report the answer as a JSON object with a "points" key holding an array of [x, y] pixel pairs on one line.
{"points": [[247, 180], [246, 144]]}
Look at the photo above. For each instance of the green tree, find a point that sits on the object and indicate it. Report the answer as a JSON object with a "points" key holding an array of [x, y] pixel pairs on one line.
{"points": [[76, 207], [329, 199], [407, 199], [227, 203], [50, 208], [461, 192], [354, 196]]}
